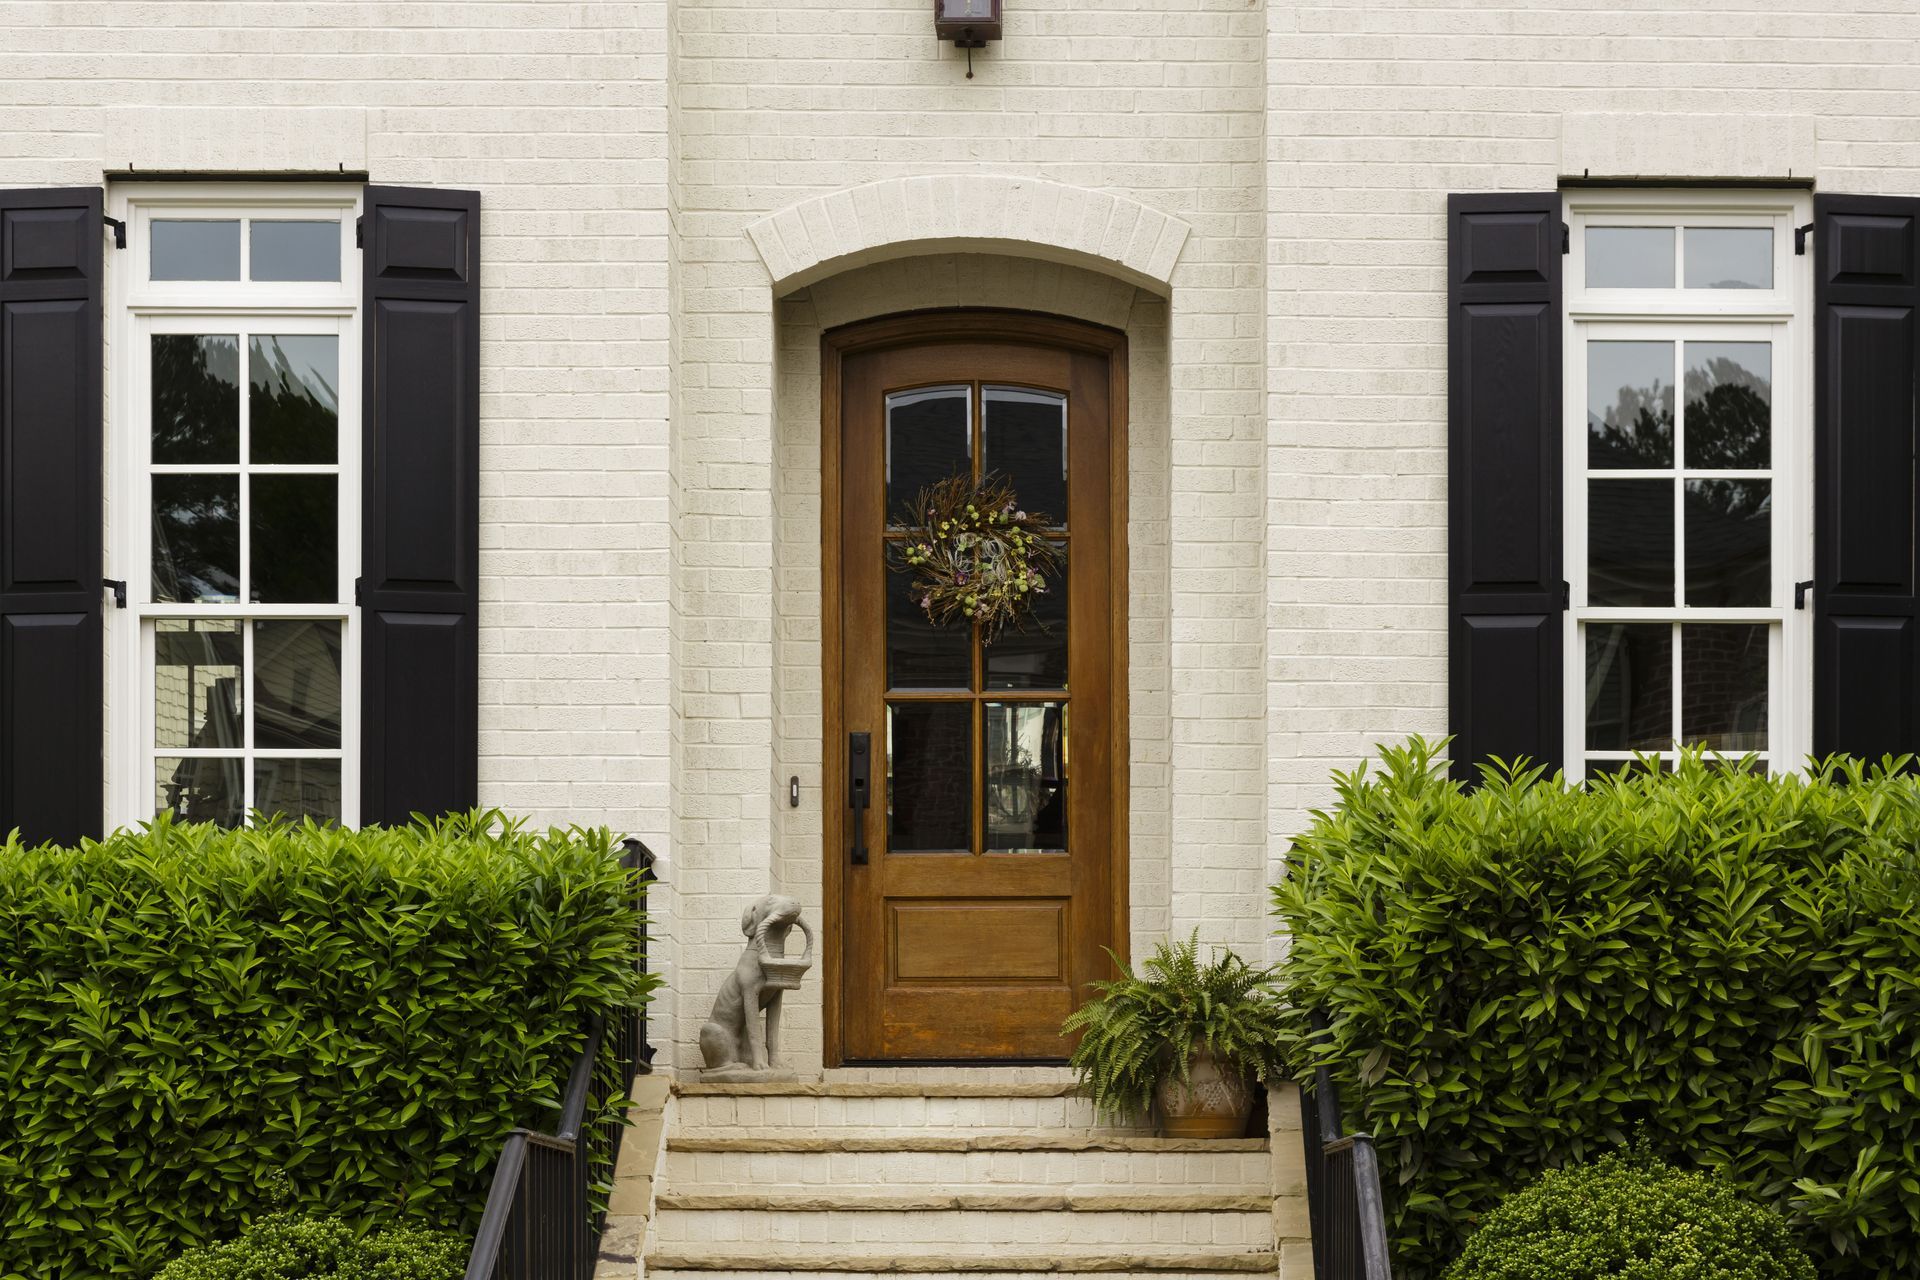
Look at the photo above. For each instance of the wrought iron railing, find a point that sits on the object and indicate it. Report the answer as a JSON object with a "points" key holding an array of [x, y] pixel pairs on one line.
{"points": [[547, 1205], [1344, 1203]]}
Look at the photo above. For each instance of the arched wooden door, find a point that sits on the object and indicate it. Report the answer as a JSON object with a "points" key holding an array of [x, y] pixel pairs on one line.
{"points": [[973, 899]]}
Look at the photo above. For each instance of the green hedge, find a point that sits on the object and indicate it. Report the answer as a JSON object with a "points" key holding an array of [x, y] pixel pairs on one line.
{"points": [[189, 1011], [1626, 1217], [292, 1246], [1525, 975]]}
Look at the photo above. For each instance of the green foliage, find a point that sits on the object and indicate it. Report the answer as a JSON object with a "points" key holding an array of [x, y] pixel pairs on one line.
{"points": [[1525, 975], [1631, 1218], [292, 1246], [190, 1010], [1143, 1027]]}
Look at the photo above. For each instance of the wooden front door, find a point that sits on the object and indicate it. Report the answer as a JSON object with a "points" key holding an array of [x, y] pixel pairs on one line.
{"points": [[989, 873]]}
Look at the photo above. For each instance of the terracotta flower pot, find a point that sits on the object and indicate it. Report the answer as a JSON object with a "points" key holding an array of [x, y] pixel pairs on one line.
{"points": [[1215, 1102]]}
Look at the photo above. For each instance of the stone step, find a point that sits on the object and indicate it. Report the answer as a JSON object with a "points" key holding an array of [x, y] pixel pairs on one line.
{"points": [[769, 1140], [955, 1230], [949, 1165], [1167, 1264], [855, 1108]]}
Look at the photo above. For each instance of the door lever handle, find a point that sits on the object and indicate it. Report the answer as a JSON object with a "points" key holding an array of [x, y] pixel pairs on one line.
{"points": [[859, 790]]}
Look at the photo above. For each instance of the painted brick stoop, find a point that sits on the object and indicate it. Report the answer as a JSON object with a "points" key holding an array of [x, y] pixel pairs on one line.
{"points": [[976, 1173]]}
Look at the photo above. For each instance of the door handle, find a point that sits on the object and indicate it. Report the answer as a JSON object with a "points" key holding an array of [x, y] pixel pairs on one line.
{"points": [[859, 790]]}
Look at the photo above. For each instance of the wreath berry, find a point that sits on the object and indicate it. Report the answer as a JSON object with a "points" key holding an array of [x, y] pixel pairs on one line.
{"points": [[975, 555]]}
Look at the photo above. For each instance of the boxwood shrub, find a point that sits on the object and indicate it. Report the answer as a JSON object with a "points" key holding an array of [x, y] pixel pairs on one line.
{"points": [[293, 1246], [1628, 1217], [189, 1011], [1525, 975]]}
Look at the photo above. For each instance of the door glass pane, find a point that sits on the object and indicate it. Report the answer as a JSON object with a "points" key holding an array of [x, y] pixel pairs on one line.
{"points": [[296, 684], [929, 437], [930, 777], [1026, 755], [1629, 686], [201, 788], [1035, 657], [295, 251], [196, 683], [196, 539], [293, 398], [1723, 686], [1729, 404], [1729, 258], [296, 539], [1024, 437], [297, 788], [1629, 405], [196, 397], [1629, 257], [194, 249], [1630, 542], [921, 655], [1729, 543]]}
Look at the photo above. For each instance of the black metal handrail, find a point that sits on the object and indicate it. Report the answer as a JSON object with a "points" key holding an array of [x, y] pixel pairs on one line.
{"points": [[1344, 1203], [543, 1219]]}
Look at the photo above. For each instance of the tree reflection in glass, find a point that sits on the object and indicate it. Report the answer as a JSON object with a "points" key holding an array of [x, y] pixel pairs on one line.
{"points": [[196, 397], [1729, 405]]}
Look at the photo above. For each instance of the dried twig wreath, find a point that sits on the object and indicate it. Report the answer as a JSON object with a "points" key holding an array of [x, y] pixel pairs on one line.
{"points": [[975, 555]]}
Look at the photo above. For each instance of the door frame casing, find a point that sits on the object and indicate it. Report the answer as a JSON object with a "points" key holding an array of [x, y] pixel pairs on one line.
{"points": [[915, 328]]}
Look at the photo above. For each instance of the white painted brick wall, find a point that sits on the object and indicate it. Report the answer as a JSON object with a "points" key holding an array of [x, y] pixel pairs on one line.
{"points": [[557, 113], [1376, 110], [1155, 103]]}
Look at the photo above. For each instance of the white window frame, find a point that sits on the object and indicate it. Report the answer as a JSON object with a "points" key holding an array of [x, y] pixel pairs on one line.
{"points": [[138, 307], [1779, 315]]}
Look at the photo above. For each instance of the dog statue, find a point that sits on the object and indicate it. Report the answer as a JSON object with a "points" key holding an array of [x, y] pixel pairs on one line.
{"points": [[733, 1040]]}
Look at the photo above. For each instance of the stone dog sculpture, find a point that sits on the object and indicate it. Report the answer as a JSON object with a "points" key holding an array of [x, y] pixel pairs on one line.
{"points": [[733, 1040]]}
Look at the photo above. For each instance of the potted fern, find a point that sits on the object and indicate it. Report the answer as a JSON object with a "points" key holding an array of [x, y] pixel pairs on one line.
{"points": [[1181, 1039]]}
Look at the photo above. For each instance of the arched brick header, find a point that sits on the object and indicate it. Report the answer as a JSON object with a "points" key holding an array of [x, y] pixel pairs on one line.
{"points": [[968, 213]]}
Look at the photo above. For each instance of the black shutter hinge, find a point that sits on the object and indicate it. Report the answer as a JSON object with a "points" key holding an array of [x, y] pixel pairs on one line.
{"points": [[1566, 239], [1800, 240], [119, 231], [119, 588], [1566, 594], [1800, 590], [356, 589], [359, 232]]}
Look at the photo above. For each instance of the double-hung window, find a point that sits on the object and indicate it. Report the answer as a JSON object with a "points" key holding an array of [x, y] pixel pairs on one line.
{"points": [[1688, 477], [233, 503]]}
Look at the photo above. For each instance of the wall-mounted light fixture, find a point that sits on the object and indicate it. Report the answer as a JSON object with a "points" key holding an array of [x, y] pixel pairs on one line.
{"points": [[968, 23]]}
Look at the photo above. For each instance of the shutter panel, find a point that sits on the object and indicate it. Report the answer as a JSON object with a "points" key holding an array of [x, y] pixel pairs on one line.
{"points": [[1503, 479], [420, 657], [1866, 517], [51, 700]]}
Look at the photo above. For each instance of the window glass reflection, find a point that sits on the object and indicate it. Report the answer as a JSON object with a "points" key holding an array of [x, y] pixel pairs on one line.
{"points": [[1629, 405], [1629, 257], [1729, 258], [930, 777], [194, 249], [1729, 421], [1629, 688], [195, 398], [1026, 758]]}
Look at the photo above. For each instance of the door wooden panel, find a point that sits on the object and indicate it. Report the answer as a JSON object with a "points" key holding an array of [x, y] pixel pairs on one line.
{"points": [[995, 878]]}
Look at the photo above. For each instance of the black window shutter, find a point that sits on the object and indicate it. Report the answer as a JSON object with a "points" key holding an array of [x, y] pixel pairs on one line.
{"points": [[50, 514], [1866, 353], [1505, 590], [420, 656]]}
